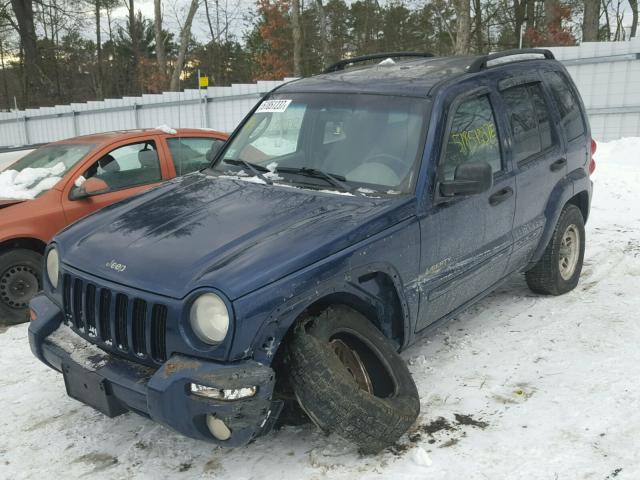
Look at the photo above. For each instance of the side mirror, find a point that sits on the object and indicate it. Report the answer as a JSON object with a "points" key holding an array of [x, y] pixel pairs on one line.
{"points": [[88, 188], [469, 179]]}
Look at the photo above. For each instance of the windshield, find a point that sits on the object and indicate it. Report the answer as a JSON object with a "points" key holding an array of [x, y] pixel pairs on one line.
{"points": [[362, 143], [40, 170]]}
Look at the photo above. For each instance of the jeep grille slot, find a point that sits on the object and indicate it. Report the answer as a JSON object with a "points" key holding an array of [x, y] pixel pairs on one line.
{"points": [[131, 325], [158, 333], [90, 310], [76, 307], [139, 320], [104, 316], [121, 321]]}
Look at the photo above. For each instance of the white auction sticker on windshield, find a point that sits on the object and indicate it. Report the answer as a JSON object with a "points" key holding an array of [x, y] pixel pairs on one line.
{"points": [[273, 106]]}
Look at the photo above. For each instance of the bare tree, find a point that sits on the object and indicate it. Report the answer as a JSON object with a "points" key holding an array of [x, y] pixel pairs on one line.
{"points": [[324, 40], [591, 20], [185, 37], [297, 38], [23, 11], [634, 13], [161, 53], [463, 24]]}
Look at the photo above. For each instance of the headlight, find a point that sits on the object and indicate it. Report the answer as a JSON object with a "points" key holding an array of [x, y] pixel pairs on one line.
{"points": [[209, 318], [53, 267]]}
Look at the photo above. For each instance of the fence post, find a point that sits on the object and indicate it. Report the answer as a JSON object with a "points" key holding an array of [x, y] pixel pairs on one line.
{"points": [[136, 122], [75, 122]]}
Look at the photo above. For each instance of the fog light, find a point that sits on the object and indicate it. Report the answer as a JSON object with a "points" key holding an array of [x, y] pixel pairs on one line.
{"points": [[223, 394], [218, 428], [33, 316]]}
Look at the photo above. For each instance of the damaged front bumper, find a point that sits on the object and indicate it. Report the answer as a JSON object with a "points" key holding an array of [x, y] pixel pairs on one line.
{"points": [[114, 385]]}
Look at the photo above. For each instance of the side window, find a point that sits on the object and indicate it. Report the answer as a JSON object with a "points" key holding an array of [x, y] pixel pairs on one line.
{"points": [[128, 166], [192, 153], [472, 137], [523, 121], [568, 105]]}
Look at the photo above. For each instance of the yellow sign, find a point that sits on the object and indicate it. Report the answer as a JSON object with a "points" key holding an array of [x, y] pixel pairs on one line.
{"points": [[204, 82]]}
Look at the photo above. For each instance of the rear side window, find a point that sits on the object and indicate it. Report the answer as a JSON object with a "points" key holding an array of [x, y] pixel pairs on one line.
{"points": [[472, 137], [568, 105], [529, 120]]}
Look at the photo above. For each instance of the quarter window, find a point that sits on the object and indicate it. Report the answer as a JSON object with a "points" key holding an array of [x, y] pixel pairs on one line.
{"points": [[472, 137], [568, 105]]}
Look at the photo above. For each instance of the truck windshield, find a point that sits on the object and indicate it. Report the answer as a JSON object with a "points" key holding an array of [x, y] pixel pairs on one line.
{"points": [[326, 141]]}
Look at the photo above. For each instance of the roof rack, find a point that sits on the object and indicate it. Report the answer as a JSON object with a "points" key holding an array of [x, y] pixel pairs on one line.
{"points": [[340, 65], [480, 63]]}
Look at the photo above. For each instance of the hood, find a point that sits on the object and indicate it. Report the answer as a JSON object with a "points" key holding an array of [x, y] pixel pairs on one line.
{"points": [[232, 235], [7, 202]]}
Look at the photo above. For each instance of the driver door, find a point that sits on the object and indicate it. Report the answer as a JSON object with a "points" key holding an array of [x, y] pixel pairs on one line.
{"points": [[466, 239], [126, 170]]}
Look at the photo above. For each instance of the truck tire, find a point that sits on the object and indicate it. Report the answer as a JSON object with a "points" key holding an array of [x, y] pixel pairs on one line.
{"points": [[558, 271], [20, 280], [350, 381]]}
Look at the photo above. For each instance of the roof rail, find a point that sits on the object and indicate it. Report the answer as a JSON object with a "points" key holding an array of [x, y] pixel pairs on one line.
{"points": [[340, 65], [481, 62]]}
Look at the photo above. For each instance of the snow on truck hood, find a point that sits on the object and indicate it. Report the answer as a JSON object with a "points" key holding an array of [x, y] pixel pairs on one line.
{"points": [[236, 236], [30, 182]]}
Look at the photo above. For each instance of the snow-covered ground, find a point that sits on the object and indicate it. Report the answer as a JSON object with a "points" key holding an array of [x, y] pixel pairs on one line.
{"points": [[519, 387]]}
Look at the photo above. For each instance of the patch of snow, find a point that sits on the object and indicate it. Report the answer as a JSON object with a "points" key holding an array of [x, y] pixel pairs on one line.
{"points": [[420, 457], [80, 181], [254, 179], [272, 166], [393, 192], [387, 62], [167, 129], [82, 352], [30, 182], [337, 192]]}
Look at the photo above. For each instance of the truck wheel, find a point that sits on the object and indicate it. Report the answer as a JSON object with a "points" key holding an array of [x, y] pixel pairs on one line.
{"points": [[20, 280], [558, 270], [349, 380]]}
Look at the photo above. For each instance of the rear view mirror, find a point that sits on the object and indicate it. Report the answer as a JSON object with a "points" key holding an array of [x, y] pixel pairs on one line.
{"points": [[88, 188], [469, 179]]}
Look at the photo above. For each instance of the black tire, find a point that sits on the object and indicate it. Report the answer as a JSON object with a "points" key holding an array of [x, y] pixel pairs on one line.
{"points": [[328, 392], [20, 280], [545, 277]]}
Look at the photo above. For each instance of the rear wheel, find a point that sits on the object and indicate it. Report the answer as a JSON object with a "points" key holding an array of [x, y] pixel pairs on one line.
{"points": [[349, 380], [558, 271], [20, 280]]}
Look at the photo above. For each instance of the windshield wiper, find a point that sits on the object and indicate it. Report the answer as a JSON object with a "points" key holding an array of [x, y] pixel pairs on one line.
{"points": [[254, 167], [331, 178]]}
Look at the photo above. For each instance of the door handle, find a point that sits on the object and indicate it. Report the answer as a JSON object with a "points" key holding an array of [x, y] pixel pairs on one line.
{"points": [[500, 196], [558, 165]]}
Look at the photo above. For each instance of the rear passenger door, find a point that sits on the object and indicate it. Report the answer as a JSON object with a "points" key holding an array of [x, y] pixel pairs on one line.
{"points": [[538, 156], [126, 170], [466, 240]]}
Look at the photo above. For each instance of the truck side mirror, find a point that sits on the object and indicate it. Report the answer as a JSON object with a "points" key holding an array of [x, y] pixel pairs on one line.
{"points": [[469, 179]]}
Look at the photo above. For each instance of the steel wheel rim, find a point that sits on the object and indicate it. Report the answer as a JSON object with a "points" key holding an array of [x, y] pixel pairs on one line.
{"points": [[569, 252], [353, 363], [18, 284]]}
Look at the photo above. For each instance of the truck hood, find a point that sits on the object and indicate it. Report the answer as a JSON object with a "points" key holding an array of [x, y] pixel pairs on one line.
{"points": [[232, 235]]}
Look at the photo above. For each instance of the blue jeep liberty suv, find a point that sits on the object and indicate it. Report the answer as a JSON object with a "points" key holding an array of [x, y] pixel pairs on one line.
{"points": [[347, 214]]}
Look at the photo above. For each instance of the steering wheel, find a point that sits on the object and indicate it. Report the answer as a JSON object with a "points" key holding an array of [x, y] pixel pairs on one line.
{"points": [[394, 163]]}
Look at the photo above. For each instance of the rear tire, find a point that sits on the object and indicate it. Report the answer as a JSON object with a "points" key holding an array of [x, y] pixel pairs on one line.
{"points": [[369, 397], [20, 280], [558, 271]]}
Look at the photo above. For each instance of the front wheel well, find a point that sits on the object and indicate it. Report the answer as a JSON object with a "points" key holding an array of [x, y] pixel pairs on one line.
{"points": [[26, 243]]}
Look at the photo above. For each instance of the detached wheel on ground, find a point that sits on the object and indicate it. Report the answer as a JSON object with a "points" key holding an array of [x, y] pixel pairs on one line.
{"points": [[20, 280], [558, 271], [349, 379]]}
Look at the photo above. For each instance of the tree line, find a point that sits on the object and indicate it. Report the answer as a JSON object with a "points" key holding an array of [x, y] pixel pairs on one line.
{"points": [[62, 51]]}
